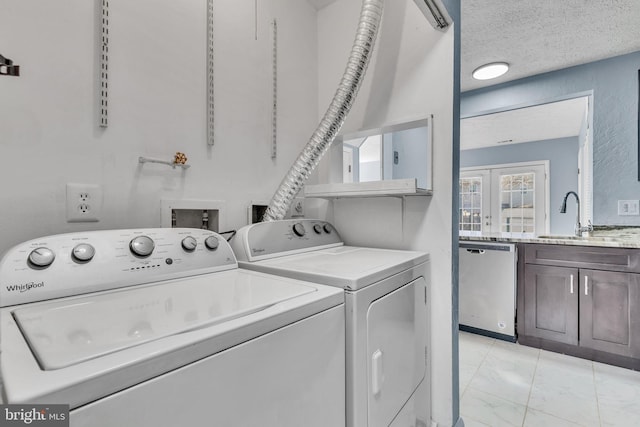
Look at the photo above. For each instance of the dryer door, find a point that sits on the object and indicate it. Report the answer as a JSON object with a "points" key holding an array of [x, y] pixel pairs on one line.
{"points": [[396, 349]]}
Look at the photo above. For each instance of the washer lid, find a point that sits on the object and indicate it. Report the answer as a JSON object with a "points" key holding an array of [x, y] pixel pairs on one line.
{"points": [[65, 333], [348, 267]]}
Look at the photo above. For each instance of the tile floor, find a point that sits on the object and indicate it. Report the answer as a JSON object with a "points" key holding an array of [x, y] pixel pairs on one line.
{"points": [[505, 384]]}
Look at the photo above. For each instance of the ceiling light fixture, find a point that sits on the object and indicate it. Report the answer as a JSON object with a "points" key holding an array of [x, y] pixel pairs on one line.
{"points": [[490, 71]]}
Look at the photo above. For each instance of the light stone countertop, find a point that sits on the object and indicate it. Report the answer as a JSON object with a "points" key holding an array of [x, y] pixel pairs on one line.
{"points": [[603, 236]]}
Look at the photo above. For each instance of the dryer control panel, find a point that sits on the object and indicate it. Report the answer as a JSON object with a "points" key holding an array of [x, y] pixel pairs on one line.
{"points": [[272, 239], [77, 263]]}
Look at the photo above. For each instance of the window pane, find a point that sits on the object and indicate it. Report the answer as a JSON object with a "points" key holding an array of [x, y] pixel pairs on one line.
{"points": [[476, 218], [516, 199], [466, 201], [470, 204], [517, 195], [476, 200]]}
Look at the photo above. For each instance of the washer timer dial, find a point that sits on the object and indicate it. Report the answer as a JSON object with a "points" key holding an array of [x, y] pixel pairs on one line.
{"points": [[83, 252], [211, 243], [141, 246], [41, 257], [298, 229], [189, 243]]}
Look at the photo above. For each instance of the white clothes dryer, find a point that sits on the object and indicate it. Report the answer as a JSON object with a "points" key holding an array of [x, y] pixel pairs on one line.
{"points": [[159, 327], [386, 310]]}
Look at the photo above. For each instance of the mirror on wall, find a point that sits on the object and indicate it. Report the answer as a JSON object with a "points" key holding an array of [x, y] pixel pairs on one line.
{"points": [[556, 133], [399, 151]]}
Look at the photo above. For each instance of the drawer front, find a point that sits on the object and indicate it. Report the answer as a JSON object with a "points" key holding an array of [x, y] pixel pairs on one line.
{"points": [[593, 257]]}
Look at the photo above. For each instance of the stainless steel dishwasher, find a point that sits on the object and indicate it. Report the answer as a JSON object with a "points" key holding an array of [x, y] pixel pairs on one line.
{"points": [[487, 289]]}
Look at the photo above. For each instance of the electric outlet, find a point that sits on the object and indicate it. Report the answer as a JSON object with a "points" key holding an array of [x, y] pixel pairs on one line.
{"points": [[84, 202], [628, 207]]}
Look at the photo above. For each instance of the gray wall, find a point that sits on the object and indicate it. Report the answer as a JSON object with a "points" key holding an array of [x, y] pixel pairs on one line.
{"points": [[614, 83], [563, 170], [411, 145]]}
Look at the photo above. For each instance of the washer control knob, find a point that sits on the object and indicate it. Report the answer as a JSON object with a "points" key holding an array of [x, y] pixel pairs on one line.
{"points": [[189, 243], [83, 252], [41, 257], [141, 246], [211, 243], [327, 228], [298, 229], [317, 228]]}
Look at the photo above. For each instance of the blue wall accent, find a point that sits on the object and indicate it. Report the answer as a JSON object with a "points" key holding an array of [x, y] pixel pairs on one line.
{"points": [[411, 145], [562, 154], [614, 82]]}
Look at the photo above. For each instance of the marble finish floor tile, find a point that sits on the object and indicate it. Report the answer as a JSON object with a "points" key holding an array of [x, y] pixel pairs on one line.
{"points": [[470, 422], [505, 384], [610, 417], [534, 418], [491, 410], [565, 391], [510, 380], [467, 372], [618, 389], [474, 348], [507, 372]]}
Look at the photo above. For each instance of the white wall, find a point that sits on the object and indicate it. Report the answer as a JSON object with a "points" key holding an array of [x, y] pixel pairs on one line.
{"points": [[411, 76], [49, 134], [157, 105]]}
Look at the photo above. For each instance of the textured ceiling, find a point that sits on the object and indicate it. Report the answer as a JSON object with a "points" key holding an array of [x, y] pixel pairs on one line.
{"points": [[537, 36], [538, 123]]}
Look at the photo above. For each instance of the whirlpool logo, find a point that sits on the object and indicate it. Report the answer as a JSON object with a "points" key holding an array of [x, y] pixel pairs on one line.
{"points": [[25, 287], [34, 415]]}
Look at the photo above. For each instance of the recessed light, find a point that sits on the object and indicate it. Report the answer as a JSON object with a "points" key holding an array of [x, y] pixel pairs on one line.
{"points": [[490, 71]]}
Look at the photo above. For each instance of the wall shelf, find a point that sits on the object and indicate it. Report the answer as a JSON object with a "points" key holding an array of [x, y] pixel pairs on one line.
{"points": [[387, 188]]}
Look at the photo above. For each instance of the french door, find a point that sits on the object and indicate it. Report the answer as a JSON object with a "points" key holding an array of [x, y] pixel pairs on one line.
{"points": [[509, 200]]}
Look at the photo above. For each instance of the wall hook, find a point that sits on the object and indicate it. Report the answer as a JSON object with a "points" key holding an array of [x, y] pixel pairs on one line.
{"points": [[178, 160], [7, 68]]}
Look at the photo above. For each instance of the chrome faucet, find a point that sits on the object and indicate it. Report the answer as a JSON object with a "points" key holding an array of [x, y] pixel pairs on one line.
{"points": [[579, 229]]}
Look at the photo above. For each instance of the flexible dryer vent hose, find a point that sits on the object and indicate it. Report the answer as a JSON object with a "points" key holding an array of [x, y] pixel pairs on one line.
{"points": [[334, 118]]}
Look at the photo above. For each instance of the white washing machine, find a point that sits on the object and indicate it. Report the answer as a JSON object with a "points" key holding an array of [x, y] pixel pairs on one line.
{"points": [[386, 307], [159, 327]]}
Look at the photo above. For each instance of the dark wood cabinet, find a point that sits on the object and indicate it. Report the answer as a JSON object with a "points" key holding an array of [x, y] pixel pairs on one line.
{"points": [[551, 309], [583, 301], [610, 312]]}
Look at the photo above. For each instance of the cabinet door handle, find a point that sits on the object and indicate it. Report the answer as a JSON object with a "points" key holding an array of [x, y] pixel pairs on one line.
{"points": [[571, 284], [586, 285]]}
